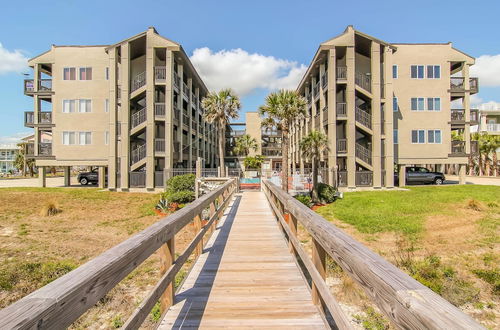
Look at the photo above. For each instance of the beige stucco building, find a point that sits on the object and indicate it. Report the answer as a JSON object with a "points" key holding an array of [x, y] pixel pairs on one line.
{"points": [[132, 109], [384, 105]]}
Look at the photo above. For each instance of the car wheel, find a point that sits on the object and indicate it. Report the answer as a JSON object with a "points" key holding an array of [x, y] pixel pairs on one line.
{"points": [[438, 181], [84, 181]]}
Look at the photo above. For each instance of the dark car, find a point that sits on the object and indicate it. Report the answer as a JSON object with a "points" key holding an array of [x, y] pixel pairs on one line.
{"points": [[88, 177], [415, 175]]}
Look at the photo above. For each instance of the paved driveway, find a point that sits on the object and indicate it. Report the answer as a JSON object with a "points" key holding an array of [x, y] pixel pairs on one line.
{"points": [[474, 180], [51, 182]]}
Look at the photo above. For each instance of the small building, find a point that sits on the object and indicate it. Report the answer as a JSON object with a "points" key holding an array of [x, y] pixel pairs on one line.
{"points": [[7, 157]]}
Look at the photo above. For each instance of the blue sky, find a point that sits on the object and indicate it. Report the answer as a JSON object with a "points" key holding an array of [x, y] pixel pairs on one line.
{"points": [[279, 37]]}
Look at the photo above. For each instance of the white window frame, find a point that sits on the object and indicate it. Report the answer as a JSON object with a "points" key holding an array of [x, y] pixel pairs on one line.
{"points": [[418, 136], [89, 108], [417, 65], [434, 66], [396, 76], [417, 98], [68, 134], [434, 131], [87, 137], [85, 67], [69, 101], [70, 67], [434, 99]]}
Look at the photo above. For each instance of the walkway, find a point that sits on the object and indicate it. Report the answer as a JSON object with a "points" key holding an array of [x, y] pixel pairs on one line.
{"points": [[246, 277]]}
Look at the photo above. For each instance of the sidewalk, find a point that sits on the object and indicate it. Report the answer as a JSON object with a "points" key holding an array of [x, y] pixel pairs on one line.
{"points": [[483, 180]]}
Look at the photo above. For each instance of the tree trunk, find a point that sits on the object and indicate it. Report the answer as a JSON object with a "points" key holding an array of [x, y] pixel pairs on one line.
{"points": [[480, 164], [315, 197], [284, 160], [222, 136], [471, 164], [495, 163], [486, 165]]}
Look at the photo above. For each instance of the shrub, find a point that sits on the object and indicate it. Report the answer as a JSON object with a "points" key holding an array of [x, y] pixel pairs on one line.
{"points": [[181, 183], [179, 197], [475, 205], [49, 209], [304, 199], [326, 193]]}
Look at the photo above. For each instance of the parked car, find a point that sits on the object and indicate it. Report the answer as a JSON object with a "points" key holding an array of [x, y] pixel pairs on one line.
{"points": [[415, 174], [91, 177]]}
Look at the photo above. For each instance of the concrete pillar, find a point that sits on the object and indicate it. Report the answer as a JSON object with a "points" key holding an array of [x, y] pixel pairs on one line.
{"points": [[169, 113], [113, 119], [376, 116], [67, 176], [332, 114], [125, 117], [42, 176], [351, 119], [102, 177], [388, 119], [466, 104], [402, 175], [461, 174], [150, 117]]}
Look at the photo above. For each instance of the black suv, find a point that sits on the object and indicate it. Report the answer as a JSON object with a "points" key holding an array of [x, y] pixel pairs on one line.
{"points": [[416, 174], [88, 177]]}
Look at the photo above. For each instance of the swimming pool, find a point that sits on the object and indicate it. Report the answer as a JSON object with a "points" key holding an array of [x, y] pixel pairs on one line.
{"points": [[250, 180]]}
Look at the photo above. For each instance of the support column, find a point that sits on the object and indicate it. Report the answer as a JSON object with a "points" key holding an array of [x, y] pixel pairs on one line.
{"points": [[169, 115], [402, 175], [461, 174], [332, 116], [150, 112], [466, 104], [67, 176], [351, 119], [113, 122], [376, 116], [102, 177], [42, 176], [389, 119], [125, 117]]}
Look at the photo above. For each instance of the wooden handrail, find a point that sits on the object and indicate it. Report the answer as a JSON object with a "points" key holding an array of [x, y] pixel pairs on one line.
{"points": [[405, 301], [60, 303]]}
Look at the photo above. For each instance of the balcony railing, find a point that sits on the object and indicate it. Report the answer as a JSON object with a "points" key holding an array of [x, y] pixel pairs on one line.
{"points": [[364, 80], [176, 146], [474, 115], [458, 147], [341, 72], [316, 90], [457, 84], [324, 80], [160, 109], [325, 115], [317, 121], [138, 179], [364, 178], [493, 128], [160, 73], [186, 89], [363, 153], [341, 145], [342, 110], [29, 118], [43, 117], [185, 119], [138, 81], [177, 80], [45, 149], [457, 114], [363, 117], [342, 177], [159, 145], [139, 117], [138, 154], [44, 85], [177, 114]]}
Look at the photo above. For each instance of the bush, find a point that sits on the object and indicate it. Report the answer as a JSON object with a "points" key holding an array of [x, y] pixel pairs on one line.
{"points": [[304, 199], [181, 183], [326, 193], [49, 209], [179, 197]]}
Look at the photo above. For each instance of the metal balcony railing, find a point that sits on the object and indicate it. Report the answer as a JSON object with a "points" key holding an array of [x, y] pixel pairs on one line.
{"points": [[138, 81], [138, 154], [44, 117], [316, 90], [138, 118], [45, 149], [457, 84], [342, 177], [341, 145], [493, 128], [159, 145], [160, 73], [474, 115], [364, 80], [44, 85], [177, 80], [185, 119], [317, 121], [364, 178], [457, 114], [341, 109], [160, 109], [363, 117], [341, 72], [325, 115], [324, 80], [363, 153], [457, 147]]}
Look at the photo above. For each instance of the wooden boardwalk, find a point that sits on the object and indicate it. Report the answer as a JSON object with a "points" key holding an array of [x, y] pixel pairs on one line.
{"points": [[245, 278]]}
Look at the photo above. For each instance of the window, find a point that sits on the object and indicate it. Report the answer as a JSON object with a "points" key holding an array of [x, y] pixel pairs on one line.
{"points": [[106, 137], [69, 74], [417, 72], [85, 73], [106, 73], [395, 136], [106, 105], [394, 71], [433, 103], [68, 106], [85, 138], [417, 104], [395, 104], [68, 138], [418, 136], [85, 105], [433, 71], [434, 136]]}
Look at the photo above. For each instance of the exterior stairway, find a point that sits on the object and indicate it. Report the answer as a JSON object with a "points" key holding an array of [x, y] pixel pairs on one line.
{"points": [[138, 121], [138, 157], [364, 156]]}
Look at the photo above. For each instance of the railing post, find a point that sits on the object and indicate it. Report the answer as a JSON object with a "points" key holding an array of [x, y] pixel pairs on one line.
{"points": [[292, 223], [319, 261], [167, 258], [197, 228], [212, 212]]}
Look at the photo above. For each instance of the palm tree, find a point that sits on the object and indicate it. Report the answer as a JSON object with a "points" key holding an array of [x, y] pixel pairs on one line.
{"points": [[243, 145], [489, 146], [312, 146], [495, 144], [283, 108], [21, 162], [474, 137], [220, 107]]}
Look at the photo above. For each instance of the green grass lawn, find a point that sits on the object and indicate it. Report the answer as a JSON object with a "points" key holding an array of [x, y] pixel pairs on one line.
{"points": [[405, 211]]}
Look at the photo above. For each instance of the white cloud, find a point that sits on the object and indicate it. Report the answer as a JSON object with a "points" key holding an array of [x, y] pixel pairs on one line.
{"points": [[487, 68], [245, 72], [14, 138], [12, 61]]}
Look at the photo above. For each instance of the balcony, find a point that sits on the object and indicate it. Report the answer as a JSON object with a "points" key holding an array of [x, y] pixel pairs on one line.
{"points": [[44, 150], [457, 148], [341, 73], [138, 118], [342, 110], [341, 146], [177, 114], [44, 86], [364, 80], [317, 121], [363, 117], [457, 85], [474, 116], [177, 80], [159, 109], [185, 119], [493, 128], [457, 115], [316, 90], [160, 74], [342, 178], [363, 153], [44, 118], [159, 145], [186, 89], [324, 80], [138, 154], [364, 178], [138, 81], [325, 116]]}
